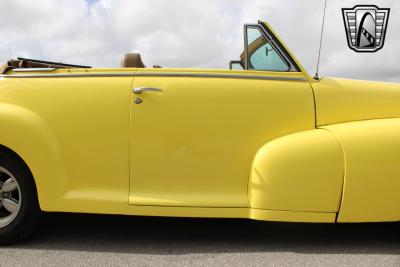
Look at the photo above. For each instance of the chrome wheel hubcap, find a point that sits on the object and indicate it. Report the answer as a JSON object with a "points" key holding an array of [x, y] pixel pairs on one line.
{"points": [[10, 197]]}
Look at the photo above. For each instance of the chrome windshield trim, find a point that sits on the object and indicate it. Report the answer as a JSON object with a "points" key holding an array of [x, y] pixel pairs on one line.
{"points": [[158, 74]]}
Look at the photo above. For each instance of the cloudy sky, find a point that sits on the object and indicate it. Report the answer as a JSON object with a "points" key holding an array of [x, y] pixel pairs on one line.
{"points": [[195, 33]]}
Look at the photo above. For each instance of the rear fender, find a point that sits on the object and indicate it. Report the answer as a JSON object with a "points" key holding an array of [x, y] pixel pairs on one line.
{"points": [[28, 135]]}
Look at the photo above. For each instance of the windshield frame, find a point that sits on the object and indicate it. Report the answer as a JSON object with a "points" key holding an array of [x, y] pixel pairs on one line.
{"points": [[292, 66]]}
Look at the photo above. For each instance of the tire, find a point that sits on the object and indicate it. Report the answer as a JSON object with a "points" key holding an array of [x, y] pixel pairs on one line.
{"points": [[19, 208]]}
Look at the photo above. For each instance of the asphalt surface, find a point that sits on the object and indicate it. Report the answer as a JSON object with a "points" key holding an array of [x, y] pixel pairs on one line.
{"points": [[78, 240]]}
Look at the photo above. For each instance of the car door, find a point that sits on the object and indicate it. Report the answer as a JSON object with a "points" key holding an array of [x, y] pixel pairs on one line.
{"points": [[194, 133]]}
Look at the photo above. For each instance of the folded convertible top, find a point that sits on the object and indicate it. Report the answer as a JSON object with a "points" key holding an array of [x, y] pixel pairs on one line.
{"points": [[26, 63]]}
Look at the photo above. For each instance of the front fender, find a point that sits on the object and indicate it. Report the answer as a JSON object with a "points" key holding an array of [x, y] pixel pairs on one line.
{"points": [[28, 135], [300, 172], [372, 177]]}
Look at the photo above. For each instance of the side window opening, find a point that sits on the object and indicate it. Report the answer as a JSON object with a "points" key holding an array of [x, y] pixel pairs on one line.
{"points": [[236, 65]]}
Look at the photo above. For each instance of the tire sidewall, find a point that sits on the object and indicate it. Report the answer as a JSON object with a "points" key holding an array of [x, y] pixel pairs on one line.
{"points": [[28, 214]]}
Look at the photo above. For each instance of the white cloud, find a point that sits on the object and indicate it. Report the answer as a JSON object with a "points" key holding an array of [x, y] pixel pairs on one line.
{"points": [[196, 33]]}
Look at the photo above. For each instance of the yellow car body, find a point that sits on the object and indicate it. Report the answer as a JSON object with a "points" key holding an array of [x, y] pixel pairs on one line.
{"points": [[265, 145]]}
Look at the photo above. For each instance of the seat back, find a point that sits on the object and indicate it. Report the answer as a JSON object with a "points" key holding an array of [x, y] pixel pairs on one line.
{"points": [[132, 60]]}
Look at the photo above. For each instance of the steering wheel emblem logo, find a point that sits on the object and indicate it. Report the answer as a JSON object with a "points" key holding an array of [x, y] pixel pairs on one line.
{"points": [[365, 27]]}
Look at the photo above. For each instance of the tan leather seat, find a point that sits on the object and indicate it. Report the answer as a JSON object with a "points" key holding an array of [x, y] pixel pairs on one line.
{"points": [[132, 60]]}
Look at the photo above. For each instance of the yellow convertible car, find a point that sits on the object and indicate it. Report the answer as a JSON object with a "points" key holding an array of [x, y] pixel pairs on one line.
{"points": [[262, 140]]}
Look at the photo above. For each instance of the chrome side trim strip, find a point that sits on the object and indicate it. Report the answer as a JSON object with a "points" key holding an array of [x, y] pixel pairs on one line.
{"points": [[33, 69], [69, 75], [159, 74], [231, 76]]}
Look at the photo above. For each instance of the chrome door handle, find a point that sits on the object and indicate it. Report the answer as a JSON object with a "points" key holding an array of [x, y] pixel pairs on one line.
{"points": [[139, 90]]}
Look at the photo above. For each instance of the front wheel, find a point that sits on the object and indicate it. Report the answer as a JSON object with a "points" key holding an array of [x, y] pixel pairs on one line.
{"points": [[19, 209]]}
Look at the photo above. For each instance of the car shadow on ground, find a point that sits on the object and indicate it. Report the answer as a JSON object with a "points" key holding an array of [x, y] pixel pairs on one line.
{"points": [[165, 236]]}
